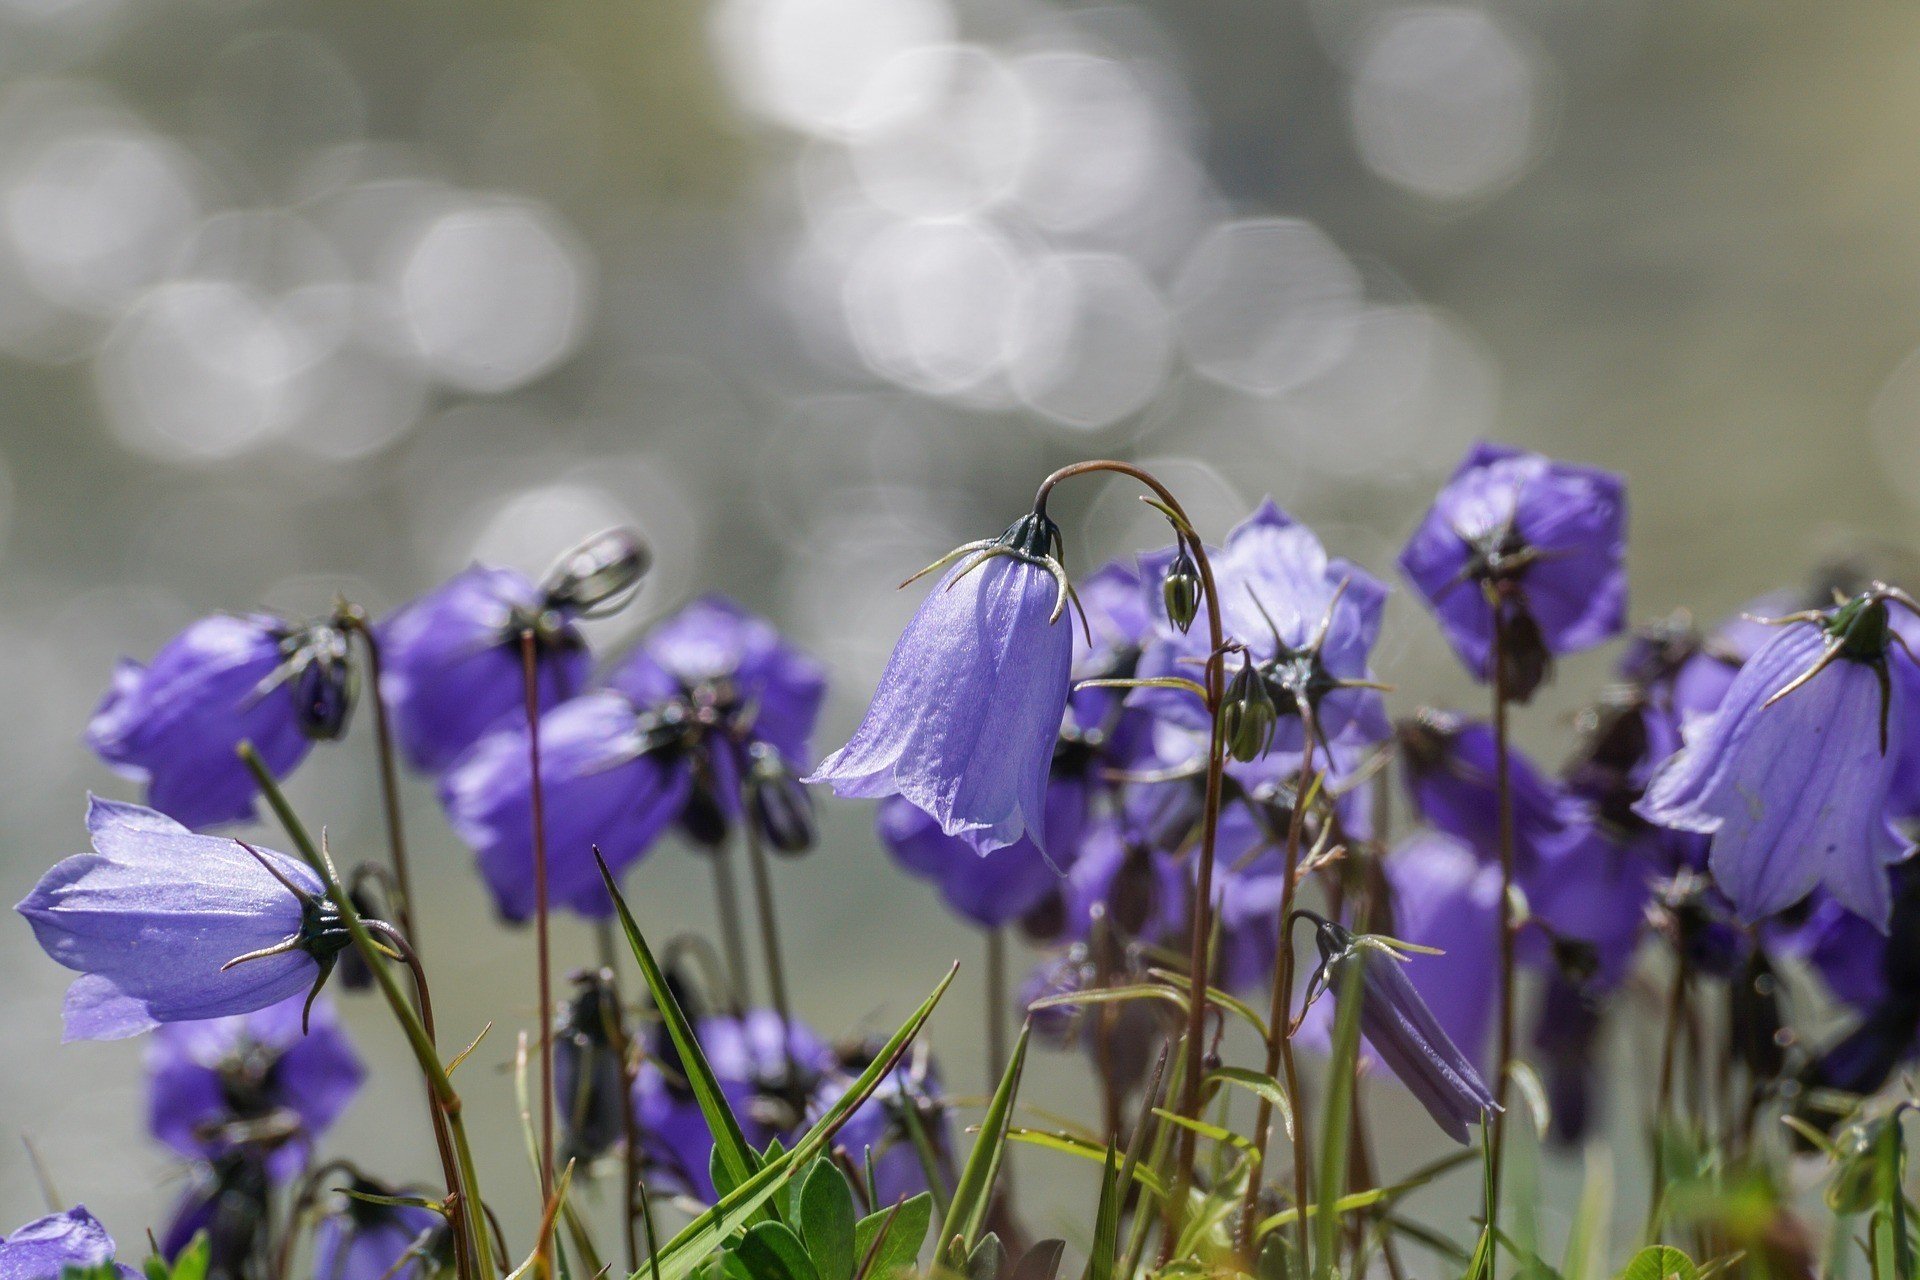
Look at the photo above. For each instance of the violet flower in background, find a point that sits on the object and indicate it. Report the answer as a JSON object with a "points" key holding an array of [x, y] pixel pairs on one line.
{"points": [[255, 1079], [154, 915], [231, 1201], [45, 1248], [1450, 766], [878, 1137], [176, 723], [991, 890], [1874, 975], [1542, 541], [1400, 1028], [1308, 622], [1791, 776], [965, 717], [365, 1241]]}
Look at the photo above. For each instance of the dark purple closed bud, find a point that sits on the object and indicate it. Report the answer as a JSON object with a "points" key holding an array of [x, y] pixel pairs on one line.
{"points": [[1180, 589], [1248, 716], [597, 572], [1525, 660], [589, 1080], [704, 819], [231, 1206], [324, 683], [778, 803]]}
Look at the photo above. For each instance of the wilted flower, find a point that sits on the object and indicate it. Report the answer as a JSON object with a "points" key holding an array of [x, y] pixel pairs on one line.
{"points": [[176, 723], [1307, 623], [363, 1240], [1544, 542], [589, 1079], [964, 720], [1791, 775], [1402, 1030], [256, 1079], [46, 1248], [167, 926]]}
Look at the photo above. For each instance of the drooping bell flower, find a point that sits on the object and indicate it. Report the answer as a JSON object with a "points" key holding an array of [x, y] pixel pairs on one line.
{"points": [[252, 1080], [966, 715], [452, 660], [589, 1080], [766, 1083], [1542, 542], [879, 1138], [364, 1240], [1307, 622], [1451, 772], [1875, 976], [164, 925], [46, 1248], [1402, 1030], [176, 723], [231, 1201], [1791, 775]]}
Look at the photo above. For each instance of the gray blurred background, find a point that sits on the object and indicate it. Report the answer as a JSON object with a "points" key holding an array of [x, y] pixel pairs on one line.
{"points": [[305, 298]]}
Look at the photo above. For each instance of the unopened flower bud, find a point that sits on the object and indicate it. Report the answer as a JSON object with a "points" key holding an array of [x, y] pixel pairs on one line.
{"points": [[324, 684], [1248, 716], [599, 570], [1525, 661], [1181, 590], [778, 803]]}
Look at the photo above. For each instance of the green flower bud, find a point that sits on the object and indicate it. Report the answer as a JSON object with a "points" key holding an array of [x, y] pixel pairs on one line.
{"points": [[1181, 590], [1248, 716]]}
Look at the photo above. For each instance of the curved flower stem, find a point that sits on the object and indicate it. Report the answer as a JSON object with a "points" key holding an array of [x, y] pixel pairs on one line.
{"points": [[354, 619], [530, 674], [769, 936], [1280, 1034], [1503, 787], [463, 1180], [1200, 966]]}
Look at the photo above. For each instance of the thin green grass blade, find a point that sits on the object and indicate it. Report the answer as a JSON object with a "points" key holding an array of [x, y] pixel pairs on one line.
{"points": [[1337, 1124], [1106, 1223], [967, 1211]]}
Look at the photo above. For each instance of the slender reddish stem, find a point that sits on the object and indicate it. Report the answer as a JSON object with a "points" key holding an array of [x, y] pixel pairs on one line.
{"points": [[355, 619], [530, 670], [1503, 788], [1199, 965]]}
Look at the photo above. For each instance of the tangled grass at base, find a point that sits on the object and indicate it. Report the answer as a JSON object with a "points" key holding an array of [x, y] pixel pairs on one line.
{"points": [[1150, 773]]}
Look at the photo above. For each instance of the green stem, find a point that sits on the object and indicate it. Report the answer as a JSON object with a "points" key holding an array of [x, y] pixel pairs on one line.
{"points": [[1503, 786]]}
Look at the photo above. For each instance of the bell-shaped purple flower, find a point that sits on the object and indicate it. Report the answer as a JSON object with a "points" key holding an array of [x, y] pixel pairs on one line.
{"points": [[1451, 765], [367, 1241], [258, 1079], [966, 715], [1542, 541], [1308, 622], [1791, 775], [168, 926], [45, 1248], [606, 785], [993, 890], [452, 667], [1402, 1030], [176, 723]]}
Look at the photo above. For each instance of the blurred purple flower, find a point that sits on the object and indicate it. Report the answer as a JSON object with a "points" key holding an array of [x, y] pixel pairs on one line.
{"points": [[967, 713], [878, 1136], [1544, 540], [176, 723], [452, 668], [1308, 622], [150, 918], [46, 1247], [251, 1079], [1566, 1040], [1451, 765], [366, 1241], [989, 890], [231, 1202], [1791, 775]]}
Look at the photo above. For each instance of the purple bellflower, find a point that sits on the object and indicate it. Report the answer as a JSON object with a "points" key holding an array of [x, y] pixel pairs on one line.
{"points": [[967, 713], [452, 662], [1451, 765], [46, 1248], [1543, 542], [1307, 622], [367, 1241], [687, 728], [164, 925], [878, 1137], [256, 1079], [176, 723], [1791, 775], [1401, 1029]]}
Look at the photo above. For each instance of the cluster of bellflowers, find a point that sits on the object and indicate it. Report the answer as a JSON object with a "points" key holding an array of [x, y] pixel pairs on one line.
{"points": [[1165, 762]]}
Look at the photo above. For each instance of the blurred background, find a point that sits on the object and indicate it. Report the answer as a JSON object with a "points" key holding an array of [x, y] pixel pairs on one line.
{"points": [[307, 298]]}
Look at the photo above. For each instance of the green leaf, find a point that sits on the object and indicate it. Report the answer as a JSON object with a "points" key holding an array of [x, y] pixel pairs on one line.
{"points": [[1057, 1141], [730, 1148], [827, 1221], [1660, 1262], [192, 1262], [1106, 1223], [967, 1212], [772, 1252], [906, 1230], [1041, 1262], [1260, 1085], [988, 1259]]}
